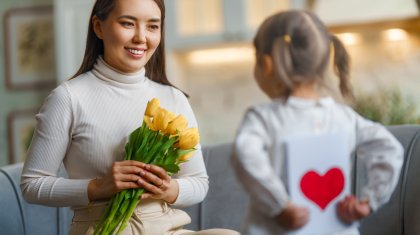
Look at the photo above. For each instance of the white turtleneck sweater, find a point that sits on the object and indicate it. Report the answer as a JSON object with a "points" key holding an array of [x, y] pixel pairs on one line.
{"points": [[84, 123]]}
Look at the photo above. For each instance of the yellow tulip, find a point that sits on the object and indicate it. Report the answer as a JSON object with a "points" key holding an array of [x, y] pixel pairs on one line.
{"points": [[162, 118], [189, 138], [152, 107], [149, 123], [170, 116], [178, 124], [186, 156]]}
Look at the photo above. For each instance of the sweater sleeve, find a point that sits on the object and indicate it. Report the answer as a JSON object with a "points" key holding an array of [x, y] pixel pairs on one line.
{"points": [[39, 181], [380, 153], [192, 178], [252, 164]]}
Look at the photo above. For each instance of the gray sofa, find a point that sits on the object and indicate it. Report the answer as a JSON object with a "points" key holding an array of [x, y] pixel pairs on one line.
{"points": [[226, 201]]}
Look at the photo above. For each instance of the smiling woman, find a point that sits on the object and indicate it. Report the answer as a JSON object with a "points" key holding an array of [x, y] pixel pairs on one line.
{"points": [[130, 34], [85, 121]]}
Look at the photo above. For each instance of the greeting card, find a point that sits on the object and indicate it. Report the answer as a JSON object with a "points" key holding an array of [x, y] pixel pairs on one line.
{"points": [[318, 169]]}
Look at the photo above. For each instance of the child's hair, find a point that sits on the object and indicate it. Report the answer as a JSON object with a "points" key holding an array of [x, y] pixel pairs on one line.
{"points": [[299, 44]]}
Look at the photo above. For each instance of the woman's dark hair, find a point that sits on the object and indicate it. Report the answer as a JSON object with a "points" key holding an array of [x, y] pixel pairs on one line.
{"points": [[155, 67], [299, 44]]}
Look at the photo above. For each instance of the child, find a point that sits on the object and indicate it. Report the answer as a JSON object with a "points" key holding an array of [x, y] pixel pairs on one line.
{"points": [[292, 55]]}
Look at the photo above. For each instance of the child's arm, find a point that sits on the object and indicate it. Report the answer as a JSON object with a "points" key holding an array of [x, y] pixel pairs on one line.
{"points": [[381, 154], [351, 209], [293, 217], [254, 168]]}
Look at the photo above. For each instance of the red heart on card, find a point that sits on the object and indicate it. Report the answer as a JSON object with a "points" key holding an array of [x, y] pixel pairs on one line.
{"points": [[322, 189]]}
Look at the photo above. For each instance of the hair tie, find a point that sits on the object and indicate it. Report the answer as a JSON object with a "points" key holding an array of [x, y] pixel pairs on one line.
{"points": [[287, 38]]}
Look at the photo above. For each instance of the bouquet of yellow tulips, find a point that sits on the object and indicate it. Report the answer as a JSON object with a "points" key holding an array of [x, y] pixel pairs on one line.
{"points": [[163, 140]]}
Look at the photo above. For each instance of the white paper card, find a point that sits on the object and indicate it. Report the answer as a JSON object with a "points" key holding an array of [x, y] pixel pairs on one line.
{"points": [[319, 177]]}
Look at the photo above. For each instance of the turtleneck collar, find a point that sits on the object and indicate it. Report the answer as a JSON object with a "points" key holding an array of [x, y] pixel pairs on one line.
{"points": [[299, 102], [107, 73]]}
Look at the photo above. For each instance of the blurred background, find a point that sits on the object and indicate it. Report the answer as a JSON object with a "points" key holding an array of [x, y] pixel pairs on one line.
{"points": [[210, 57]]}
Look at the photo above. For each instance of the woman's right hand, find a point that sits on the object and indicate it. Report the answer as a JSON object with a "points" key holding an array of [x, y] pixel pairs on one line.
{"points": [[123, 175], [293, 217]]}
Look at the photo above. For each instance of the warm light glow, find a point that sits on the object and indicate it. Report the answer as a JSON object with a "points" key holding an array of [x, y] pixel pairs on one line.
{"points": [[221, 55], [199, 17], [395, 35], [350, 39]]}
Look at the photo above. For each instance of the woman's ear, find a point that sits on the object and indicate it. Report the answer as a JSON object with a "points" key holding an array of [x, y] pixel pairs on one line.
{"points": [[97, 27], [267, 66]]}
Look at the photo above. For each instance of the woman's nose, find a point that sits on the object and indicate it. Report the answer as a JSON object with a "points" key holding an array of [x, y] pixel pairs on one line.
{"points": [[140, 35]]}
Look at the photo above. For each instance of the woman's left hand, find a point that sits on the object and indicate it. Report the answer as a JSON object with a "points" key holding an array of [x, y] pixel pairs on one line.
{"points": [[158, 184]]}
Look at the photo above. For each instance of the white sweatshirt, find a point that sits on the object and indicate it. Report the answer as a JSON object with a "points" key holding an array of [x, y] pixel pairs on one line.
{"points": [[262, 172], [84, 123]]}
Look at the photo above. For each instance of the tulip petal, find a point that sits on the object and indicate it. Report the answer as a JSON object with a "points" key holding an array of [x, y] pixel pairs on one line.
{"points": [[189, 138], [152, 107]]}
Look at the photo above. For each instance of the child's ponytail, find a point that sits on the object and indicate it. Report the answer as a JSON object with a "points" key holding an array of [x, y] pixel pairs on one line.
{"points": [[282, 62], [342, 66]]}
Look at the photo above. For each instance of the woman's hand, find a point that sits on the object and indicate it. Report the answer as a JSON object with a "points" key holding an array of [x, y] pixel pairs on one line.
{"points": [[351, 209], [123, 175], [293, 217], [133, 174], [158, 184]]}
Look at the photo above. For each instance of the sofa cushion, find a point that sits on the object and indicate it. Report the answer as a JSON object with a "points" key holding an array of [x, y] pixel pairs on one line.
{"points": [[11, 214], [225, 203], [36, 219]]}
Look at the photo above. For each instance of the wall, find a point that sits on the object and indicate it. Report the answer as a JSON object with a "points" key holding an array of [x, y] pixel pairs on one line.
{"points": [[379, 61], [335, 12], [12, 101], [220, 93]]}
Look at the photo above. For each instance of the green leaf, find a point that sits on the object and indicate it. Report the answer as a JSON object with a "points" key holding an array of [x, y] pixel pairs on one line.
{"points": [[128, 152], [141, 133], [139, 156], [132, 138], [145, 138], [182, 152], [159, 147], [170, 158], [173, 168]]}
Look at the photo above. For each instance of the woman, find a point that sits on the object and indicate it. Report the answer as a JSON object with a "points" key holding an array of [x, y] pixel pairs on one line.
{"points": [[85, 121]]}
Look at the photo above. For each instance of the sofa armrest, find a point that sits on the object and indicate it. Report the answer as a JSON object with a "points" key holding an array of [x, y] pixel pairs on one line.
{"points": [[400, 214], [17, 217], [410, 190], [11, 213]]}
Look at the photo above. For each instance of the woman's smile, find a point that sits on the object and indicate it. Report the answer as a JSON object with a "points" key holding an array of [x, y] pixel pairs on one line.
{"points": [[136, 53]]}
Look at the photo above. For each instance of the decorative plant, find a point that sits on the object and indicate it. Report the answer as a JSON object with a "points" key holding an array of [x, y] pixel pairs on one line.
{"points": [[387, 106]]}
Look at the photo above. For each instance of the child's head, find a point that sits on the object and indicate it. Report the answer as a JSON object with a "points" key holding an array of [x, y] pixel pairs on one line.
{"points": [[293, 49]]}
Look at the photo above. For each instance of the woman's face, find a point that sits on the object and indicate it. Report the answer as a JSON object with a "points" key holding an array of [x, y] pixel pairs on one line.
{"points": [[130, 34]]}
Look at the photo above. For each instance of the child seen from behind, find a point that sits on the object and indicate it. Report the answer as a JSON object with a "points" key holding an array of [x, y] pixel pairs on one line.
{"points": [[293, 51]]}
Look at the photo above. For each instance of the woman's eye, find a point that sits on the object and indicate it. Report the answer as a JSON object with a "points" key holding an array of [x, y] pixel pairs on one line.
{"points": [[154, 27], [127, 24]]}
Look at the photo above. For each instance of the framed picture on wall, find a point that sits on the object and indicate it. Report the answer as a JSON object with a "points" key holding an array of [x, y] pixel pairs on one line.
{"points": [[29, 48], [20, 127]]}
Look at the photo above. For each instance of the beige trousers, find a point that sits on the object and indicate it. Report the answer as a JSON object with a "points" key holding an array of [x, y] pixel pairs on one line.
{"points": [[151, 217]]}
